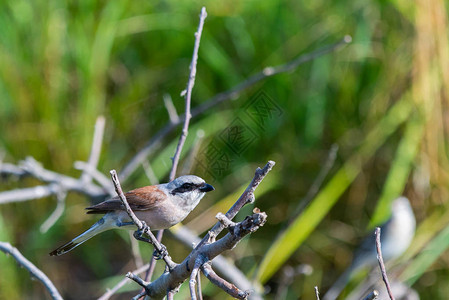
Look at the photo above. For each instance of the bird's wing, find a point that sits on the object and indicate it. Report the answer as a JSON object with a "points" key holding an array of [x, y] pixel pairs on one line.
{"points": [[139, 199]]}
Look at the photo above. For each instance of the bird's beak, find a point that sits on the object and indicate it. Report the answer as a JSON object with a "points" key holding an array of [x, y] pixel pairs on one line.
{"points": [[206, 188]]}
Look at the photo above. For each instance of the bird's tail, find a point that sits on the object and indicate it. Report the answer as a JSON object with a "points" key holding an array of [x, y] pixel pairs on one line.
{"points": [[103, 224]]}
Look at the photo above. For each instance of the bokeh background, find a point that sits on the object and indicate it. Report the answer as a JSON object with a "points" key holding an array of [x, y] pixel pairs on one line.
{"points": [[383, 100]]}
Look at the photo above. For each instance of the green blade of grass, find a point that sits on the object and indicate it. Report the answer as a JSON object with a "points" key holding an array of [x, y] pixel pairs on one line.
{"points": [[426, 257], [400, 169], [287, 242]]}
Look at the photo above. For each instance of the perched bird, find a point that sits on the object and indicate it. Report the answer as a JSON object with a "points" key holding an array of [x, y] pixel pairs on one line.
{"points": [[396, 235], [159, 206]]}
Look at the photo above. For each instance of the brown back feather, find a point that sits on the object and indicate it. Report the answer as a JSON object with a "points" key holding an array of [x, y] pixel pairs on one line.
{"points": [[143, 198]]}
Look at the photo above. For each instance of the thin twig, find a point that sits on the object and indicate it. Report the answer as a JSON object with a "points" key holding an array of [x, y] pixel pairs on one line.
{"points": [[27, 194], [188, 95], [224, 220], [172, 114], [10, 169], [198, 263], [56, 182], [8, 249], [381, 263], [317, 293], [96, 175], [156, 140], [57, 213], [96, 147], [153, 261], [372, 296], [223, 284], [198, 286], [246, 197], [140, 282], [170, 295], [152, 266], [121, 283], [140, 295], [137, 279]]}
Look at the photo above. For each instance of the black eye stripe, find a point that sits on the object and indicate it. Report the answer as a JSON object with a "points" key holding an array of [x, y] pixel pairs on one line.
{"points": [[186, 187]]}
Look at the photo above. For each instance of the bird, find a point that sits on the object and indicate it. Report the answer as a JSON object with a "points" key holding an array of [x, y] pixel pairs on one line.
{"points": [[396, 235], [159, 206]]}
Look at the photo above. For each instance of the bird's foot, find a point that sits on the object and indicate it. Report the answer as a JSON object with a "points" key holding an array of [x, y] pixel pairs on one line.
{"points": [[160, 254]]}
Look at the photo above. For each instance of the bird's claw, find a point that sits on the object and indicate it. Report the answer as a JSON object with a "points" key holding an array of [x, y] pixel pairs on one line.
{"points": [[161, 253], [138, 234]]}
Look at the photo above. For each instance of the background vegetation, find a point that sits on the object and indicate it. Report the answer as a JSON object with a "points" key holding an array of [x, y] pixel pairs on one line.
{"points": [[382, 100]]}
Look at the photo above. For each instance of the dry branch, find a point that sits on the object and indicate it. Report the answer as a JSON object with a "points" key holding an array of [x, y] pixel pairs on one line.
{"points": [[381, 263], [35, 272]]}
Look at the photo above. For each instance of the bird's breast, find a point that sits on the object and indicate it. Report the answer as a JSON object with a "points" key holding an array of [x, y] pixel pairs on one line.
{"points": [[162, 216]]}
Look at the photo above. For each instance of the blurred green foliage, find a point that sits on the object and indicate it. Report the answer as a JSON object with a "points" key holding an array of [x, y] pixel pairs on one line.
{"points": [[382, 100]]}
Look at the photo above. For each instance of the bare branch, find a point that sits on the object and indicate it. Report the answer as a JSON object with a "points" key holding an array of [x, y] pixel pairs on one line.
{"points": [[200, 260], [156, 140], [198, 286], [137, 279], [10, 169], [372, 296], [26, 194], [95, 149], [30, 167], [317, 293], [224, 220], [227, 270], [381, 263], [8, 249], [140, 295], [96, 175], [152, 266], [57, 213], [188, 95], [140, 282], [58, 182], [172, 114], [246, 197], [223, 284], [170, 295], [119, 285]]}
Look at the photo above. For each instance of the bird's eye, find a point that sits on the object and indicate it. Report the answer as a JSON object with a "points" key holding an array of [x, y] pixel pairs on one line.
{"points": [[185, 187], [188, 186]]}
